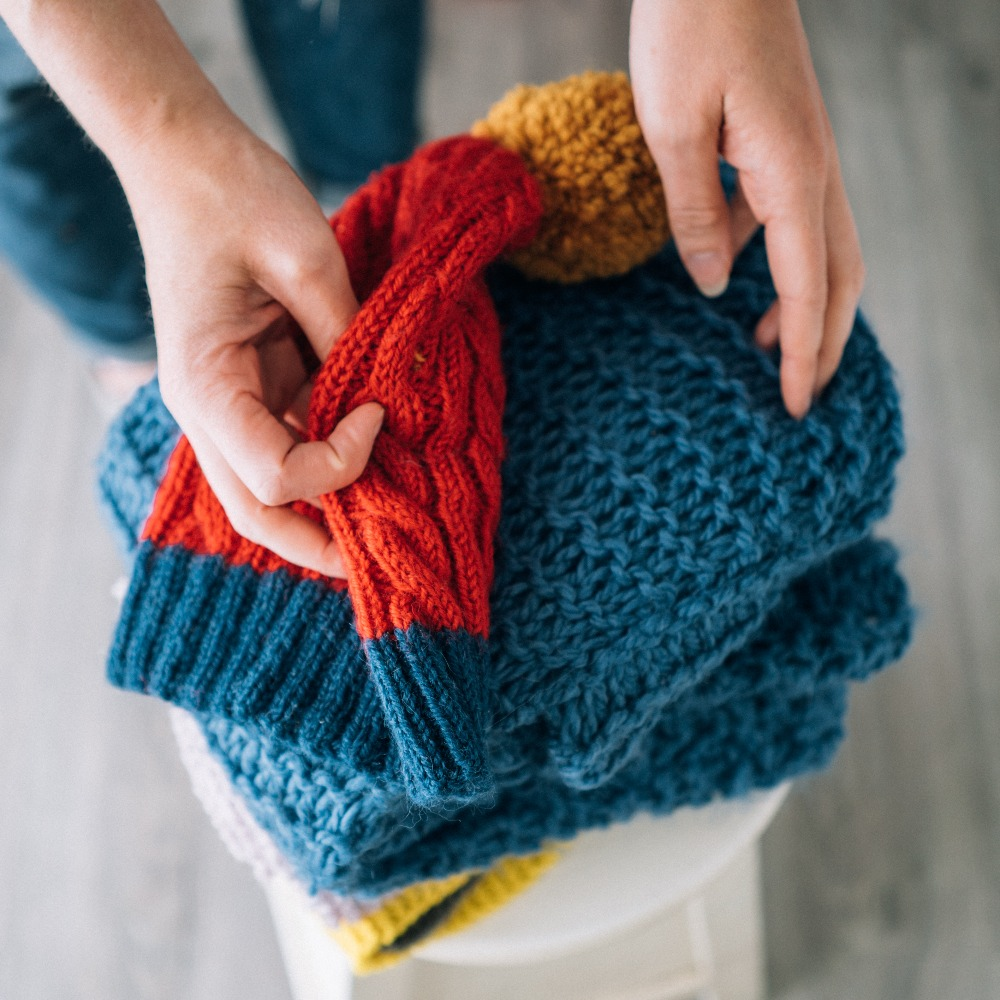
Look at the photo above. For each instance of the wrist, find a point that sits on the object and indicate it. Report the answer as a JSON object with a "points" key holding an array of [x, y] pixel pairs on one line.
{"points": [[182, 142]]}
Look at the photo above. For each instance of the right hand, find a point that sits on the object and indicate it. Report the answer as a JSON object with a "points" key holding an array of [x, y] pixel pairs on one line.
{"points": [[239, 257]]}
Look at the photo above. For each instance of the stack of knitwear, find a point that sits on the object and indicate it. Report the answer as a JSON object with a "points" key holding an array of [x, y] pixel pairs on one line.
{"points": [[594, 568], [373, 933]]}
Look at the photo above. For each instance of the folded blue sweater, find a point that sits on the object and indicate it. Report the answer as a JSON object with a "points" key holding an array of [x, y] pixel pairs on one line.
{"points": [[686, 583]]}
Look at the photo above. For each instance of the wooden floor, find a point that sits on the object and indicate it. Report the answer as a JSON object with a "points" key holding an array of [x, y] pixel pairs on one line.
{"points": [[881, 877]]}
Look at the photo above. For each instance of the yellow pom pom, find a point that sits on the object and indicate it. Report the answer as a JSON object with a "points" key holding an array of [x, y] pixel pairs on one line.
{"points": [[604, 207]]}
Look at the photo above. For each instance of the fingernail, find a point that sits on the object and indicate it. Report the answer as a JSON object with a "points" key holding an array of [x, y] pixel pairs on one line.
{"points": [[380, 419], [801, 411], [708, 270]]}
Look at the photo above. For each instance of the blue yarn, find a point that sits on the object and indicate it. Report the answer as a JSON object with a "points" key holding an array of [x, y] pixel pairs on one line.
{"points": [[434, 700], [773, 711], [685, 584], [129, 467]]}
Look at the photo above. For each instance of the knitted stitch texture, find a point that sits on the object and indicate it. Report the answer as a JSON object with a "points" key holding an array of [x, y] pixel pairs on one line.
{"points": [[240, 832], [383, 938], [374, 933], [685, 585], [604, 207], [416, 530]]}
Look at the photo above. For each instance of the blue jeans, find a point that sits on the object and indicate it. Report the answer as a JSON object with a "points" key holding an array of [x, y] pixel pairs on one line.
{"points": [[344, 86]]}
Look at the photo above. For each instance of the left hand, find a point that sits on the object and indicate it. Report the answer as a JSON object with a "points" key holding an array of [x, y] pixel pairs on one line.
{"points": [[734, 78]]}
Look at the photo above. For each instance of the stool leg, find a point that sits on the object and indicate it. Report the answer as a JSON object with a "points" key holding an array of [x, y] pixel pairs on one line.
{"points": [[317, 969], [731, 920], [700, 937], [724, 948]]}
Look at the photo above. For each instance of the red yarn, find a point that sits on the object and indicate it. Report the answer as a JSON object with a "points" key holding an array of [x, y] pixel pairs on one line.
{"points": [[416, 530], [186, 512]]}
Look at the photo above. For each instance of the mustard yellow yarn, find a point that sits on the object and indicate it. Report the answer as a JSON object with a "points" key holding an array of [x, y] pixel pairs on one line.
{"points": [[363, 940], [497, 887], [604, 206], [368, 942]]}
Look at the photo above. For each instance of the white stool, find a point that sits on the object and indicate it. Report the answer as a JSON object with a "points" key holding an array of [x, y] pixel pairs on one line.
{"points": [[653, 909]]}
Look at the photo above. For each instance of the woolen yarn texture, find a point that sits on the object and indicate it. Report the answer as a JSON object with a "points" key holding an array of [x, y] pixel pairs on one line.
{"points": [[416, 531], [685, 584], [605, 210], [373, 933]]}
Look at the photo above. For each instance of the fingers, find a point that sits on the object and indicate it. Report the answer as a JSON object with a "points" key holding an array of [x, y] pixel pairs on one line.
{"points": [[816, 263], [274, 466], [742, 220], [708, 231], [297, 414], [256, 462], [711, 77], [292, 536], [240, 258], [696, 205], [281, 360], [768, 327], [846, 276], [312, 283], [265, 520], [796, 251], [679, 101]]}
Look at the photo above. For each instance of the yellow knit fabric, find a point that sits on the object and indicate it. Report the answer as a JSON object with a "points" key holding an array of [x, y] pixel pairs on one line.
{"points": [[604, 206], [365, 941]]}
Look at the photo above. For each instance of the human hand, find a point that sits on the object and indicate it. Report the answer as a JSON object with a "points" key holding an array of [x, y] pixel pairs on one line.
{"points": [[735, 78], [239, 257]]}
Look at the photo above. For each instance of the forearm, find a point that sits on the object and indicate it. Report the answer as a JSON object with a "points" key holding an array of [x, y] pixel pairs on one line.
{"points": [[126, 76]]}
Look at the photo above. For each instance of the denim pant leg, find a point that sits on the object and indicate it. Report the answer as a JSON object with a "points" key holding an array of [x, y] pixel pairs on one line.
{"points": [[343, 75], [64, 221]]}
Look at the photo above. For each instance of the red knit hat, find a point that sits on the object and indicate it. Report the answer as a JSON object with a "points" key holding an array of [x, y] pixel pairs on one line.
{"points": [[416, 529]]}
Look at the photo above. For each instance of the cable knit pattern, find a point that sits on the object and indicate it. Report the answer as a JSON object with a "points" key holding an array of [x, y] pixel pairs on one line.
{"points": [[416, 530], [685, 585]]}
